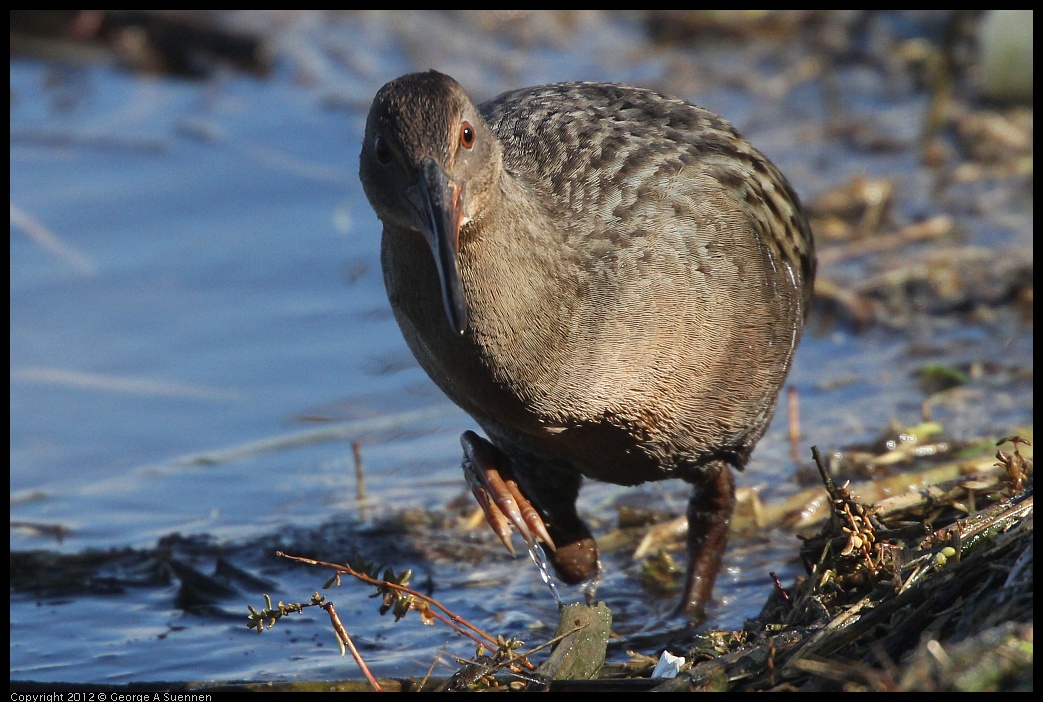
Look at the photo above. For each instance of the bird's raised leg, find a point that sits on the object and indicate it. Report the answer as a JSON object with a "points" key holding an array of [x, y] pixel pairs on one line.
{"points": [[709, 517], [539, 502], [493, 484]]}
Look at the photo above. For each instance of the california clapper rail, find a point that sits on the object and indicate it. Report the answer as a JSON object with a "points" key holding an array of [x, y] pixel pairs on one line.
{"points": [[611, 281]]}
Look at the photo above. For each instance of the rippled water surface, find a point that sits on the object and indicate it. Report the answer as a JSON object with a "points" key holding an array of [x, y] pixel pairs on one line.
{"points": [[199, 331]]}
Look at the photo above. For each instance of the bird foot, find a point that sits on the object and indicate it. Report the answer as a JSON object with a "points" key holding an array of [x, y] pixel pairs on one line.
{"points": [[498, 494]]}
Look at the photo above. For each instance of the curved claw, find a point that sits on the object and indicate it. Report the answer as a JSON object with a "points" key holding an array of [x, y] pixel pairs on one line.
{"points": [[499, 496], [500, 523]]}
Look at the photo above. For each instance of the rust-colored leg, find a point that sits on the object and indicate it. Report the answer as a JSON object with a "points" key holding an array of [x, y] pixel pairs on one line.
{"points": [[540, 502], [709, 516], [493, 484]]}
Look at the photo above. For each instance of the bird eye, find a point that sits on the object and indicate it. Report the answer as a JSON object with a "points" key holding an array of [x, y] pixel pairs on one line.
{"points": [[381, 150], [467, 135]]}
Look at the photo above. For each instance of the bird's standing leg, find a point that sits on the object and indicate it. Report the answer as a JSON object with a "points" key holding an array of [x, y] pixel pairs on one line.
{"points": [[709, 516], [550, 516]]}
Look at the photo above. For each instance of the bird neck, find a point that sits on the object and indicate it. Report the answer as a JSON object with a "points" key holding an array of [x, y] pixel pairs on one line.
{"points": [[518, 281]]}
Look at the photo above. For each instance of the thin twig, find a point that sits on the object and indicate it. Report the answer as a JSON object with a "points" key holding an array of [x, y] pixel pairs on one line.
{"points": [[345, 640], [432, 668], [793, 407], [360, 478]]}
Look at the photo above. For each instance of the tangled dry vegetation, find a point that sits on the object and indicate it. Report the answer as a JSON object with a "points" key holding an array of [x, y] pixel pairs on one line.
{"points": [[927, 590]]}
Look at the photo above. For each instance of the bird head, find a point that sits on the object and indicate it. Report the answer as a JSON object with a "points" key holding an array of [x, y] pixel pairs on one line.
{"points": [[429, 163]]}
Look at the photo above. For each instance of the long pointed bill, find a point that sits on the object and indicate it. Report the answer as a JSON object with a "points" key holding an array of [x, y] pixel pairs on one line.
{"points": [[438, 199]]}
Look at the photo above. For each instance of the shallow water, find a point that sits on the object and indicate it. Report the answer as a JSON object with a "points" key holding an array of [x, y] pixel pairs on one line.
{"points": [[199, 331]]}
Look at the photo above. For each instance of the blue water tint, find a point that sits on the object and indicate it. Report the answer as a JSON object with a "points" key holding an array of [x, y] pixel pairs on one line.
{"points": [[196, 297]]}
